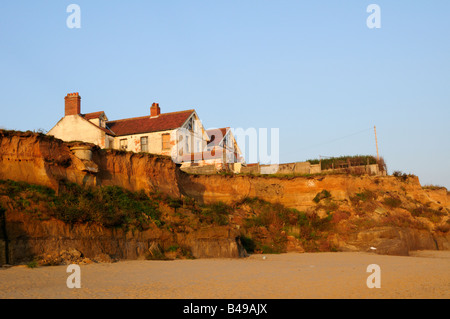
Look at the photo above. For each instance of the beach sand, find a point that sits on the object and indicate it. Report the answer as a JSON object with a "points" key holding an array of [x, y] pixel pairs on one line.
{"points": [[425, 274]]}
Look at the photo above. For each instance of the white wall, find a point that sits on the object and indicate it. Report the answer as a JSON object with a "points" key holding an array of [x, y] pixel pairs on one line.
{"points": [[134, 142], [197, 141], [75, 128]]}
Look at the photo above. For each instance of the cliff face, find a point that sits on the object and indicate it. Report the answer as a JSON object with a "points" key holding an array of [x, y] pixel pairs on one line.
{"points": [[46, 239], [39, 159], [36, 158], [299, 192]]}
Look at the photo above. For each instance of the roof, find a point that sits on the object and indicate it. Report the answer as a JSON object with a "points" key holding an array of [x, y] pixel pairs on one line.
{"points": [[94, 115], [148, 124], [216, 135], [106, 130]]}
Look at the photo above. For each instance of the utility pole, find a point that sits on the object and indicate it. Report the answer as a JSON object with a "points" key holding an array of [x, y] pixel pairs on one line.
{"points": [[376, 142]]}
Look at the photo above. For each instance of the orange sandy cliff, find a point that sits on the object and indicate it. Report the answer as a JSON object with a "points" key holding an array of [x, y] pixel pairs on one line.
{"points": [[394, 215]]}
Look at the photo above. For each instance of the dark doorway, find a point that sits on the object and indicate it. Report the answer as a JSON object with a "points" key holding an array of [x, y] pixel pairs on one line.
{"points": [[3, 234]]}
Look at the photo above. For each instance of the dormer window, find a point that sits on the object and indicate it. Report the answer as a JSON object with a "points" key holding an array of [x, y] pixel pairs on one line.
{"points": [[102, 120], [190, 124], [225, 142]]}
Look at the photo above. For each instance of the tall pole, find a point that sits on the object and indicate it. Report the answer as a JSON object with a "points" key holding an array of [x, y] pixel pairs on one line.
{"points": [[376, 142]]}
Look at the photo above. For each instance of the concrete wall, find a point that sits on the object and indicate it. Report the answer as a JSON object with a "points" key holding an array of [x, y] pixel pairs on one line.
{"points": [[294, 168], [208, 169], [286, 168], [315, 169], [254, 169], [372, 169], [75, 128], [299, 168]]}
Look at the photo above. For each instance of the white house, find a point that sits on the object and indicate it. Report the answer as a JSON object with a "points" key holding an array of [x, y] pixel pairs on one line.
{"points": [[75, 126], [222, 142], [177, 134]]}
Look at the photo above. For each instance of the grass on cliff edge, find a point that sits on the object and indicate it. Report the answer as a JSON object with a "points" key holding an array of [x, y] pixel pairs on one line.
{"points": [[110, 206]]}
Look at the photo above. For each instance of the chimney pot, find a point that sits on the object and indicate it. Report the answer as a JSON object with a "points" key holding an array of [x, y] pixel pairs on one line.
{"points": [[72, 104], [155, 110]]}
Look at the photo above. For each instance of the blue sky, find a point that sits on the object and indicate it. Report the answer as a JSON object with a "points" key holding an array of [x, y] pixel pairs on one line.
{"points": [[313, 69]]}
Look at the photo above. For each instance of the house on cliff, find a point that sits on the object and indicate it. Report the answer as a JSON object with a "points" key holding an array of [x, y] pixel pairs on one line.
{"points": [[177, 134], [221, 148], [223, 144]]}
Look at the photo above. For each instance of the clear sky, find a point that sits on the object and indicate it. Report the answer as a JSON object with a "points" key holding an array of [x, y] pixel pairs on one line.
{"points": [[313, 69]]}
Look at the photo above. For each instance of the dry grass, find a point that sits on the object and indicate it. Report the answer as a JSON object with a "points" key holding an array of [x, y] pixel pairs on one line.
{"points": [[433, 187]]}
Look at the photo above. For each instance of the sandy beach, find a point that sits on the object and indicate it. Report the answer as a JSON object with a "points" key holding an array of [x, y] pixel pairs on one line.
{"points": [[425, 274]]}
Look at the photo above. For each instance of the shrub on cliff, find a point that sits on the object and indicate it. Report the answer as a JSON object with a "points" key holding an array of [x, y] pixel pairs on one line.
{"points": [[217, 213], [434, 187], [110, 206], [402, 176], [392, 202], [322, 195], [433, 215], [268, 229]]}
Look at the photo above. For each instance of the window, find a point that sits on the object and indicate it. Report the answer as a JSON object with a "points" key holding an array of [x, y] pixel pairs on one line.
{"points": [[190, 124], [166, 141], [123, 144], [225, 142], [144, 144]]}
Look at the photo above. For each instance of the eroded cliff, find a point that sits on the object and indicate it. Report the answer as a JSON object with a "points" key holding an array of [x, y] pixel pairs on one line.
{"points": [[44, 160], [331, 212]]}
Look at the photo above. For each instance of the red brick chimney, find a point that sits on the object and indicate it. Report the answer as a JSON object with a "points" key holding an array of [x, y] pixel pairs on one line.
{"points": [[155, 110], [73, 104]]}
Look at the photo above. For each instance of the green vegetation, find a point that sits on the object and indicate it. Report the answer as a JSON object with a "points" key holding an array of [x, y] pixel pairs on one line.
{"points": [[263, 232], [402, 176], [294, 175], [172, 248], [175, 203], [216, 213], [156, 255], [322, 195], [366, 195], [264, 227], [32, 264], [344, 161], [434, 216], [392, 202], [433, 187], [110, 206]]}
